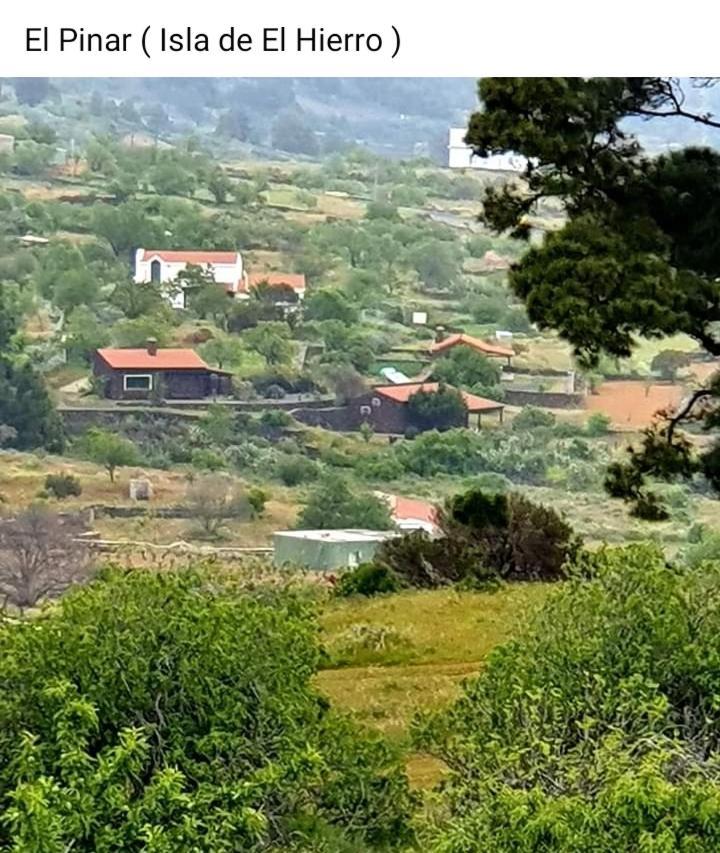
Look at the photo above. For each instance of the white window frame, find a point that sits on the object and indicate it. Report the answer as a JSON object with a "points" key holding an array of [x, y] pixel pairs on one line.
{"points": [[147, 376]]}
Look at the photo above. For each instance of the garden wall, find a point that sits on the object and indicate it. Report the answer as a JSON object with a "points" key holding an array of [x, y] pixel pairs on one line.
{"points": [[544, 399]]}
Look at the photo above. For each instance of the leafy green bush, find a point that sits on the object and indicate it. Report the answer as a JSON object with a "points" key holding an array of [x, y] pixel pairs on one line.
{"points": [[441, 410], [275, 418], [597, 729], [173, 711], [702, 548], [598, 424], [207, 459], [368, 579], [490, 482], [531, 418], [484, 536], [62, 486], [334, 504], [294, 470], [257, 498], [465, 368]]}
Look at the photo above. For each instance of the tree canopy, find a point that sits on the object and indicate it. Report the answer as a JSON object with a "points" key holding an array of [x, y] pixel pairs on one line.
{"points": [[639, 254], [172, 711], [595, 730]]}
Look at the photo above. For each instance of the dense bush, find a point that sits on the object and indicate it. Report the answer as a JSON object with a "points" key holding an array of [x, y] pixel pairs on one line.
{"points": [[533, 418], [171, 711], [441, 410], [485, 536], [467, 369], [368, 579], [334, 504], [598, 424], [296, 469], [598, 729], [62, 486]]}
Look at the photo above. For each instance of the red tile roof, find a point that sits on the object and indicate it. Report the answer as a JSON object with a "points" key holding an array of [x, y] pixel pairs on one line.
{"points": [[476, 344], [402, 393], [164, 359], [276, 279], [405, 508], [175, 257]]}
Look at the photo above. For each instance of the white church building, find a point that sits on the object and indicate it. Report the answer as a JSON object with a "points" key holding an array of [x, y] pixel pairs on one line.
{"points": [[162, 267]]}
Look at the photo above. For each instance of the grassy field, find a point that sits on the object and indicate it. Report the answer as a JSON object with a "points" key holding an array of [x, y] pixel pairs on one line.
{"points": [[395, 656], [22, 476]]}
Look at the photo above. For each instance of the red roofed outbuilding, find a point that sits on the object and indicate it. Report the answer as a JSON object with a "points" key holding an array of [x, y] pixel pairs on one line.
{"points": [[150, 372], [444, 343], [385, 408]]}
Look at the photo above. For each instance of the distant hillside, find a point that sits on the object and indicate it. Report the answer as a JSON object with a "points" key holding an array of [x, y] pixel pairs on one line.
{"points": [[398, 117], [307, 116]]}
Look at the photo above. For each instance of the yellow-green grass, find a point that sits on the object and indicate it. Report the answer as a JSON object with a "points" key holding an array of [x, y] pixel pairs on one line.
{"points": [[442, 637]]}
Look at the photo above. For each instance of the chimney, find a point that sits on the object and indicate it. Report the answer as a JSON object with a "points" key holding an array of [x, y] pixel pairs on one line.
{"points": [[439, 334], [152, 346]]}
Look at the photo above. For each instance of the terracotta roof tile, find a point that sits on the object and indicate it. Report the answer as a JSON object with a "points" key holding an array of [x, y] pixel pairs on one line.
{"points": [[141, 359], [402, 393], [191, 257], [475, 343], [276, 279]]}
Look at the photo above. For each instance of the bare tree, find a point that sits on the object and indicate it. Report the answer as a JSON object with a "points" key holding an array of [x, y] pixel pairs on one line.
{"points": [[40, 556], [214, 498]]}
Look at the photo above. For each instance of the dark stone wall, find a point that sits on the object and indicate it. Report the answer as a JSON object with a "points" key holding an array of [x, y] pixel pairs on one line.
{"points": [[383, 415], [546, 399]]}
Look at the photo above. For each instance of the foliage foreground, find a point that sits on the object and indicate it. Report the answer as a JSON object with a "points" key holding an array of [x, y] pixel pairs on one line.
{"points": [[598, 729], [168, 711]]}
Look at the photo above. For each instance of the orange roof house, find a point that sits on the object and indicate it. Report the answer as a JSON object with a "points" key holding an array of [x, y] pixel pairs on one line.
{"points": [[147, 359], [139, 373], [277, 279], [385, 409], [402, 393], [411, 513], [444, 344], [295, 281]]}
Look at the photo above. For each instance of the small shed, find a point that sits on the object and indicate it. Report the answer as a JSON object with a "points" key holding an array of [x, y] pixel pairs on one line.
{"points": [[327, 550]]}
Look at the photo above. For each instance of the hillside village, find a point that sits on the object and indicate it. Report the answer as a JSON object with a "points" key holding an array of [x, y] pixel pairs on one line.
{"points": [[303, 379], [320, 305]]}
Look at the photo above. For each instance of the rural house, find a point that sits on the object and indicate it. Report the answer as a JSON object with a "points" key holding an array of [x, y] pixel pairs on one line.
{"points": [[385, 409], [444, 343], [411, 513], [172, 374], [162, 267]]}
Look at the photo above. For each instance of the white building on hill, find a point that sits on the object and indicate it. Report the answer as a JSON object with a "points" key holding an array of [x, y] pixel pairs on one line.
{"points": [[460, 156], [161, 266]]}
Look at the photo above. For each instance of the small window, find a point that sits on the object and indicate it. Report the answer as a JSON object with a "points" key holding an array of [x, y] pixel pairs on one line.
{"points": [[376, 402], [365, 410], [155, 271], [138, 382]]}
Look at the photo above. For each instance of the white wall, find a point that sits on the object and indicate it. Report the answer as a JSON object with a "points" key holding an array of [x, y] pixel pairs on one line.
{"points": [[224, 274], [460, 156]]}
